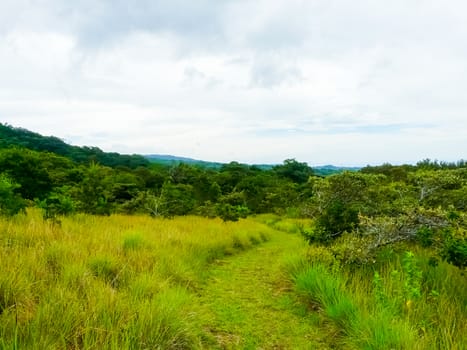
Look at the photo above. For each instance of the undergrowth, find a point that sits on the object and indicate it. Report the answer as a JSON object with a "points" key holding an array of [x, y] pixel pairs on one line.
{"points": [[405, 302]]}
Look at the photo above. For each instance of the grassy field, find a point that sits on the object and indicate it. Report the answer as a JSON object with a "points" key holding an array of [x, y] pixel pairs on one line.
{"points": [[109, 282], [133, 282]]}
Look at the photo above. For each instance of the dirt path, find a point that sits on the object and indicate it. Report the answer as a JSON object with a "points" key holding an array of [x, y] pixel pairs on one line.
{"points": [[248, 304]]}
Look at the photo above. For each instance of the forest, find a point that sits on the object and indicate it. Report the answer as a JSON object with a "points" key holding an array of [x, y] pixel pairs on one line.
{"points": [[391, 232], [384, 204]]}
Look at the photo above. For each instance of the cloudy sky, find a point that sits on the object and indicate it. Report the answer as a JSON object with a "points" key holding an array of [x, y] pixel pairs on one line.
{"points": [[323, 81]]}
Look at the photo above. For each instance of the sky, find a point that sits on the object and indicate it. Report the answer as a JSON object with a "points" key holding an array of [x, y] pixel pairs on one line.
{"points": [[322, 81]]}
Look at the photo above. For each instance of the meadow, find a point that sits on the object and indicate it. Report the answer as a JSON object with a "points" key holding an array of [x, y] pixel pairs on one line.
{"points": [[135, 282], [115, 282]]}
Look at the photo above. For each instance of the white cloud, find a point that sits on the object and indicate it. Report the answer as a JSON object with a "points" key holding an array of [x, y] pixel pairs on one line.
{"points": [[326, 82]]}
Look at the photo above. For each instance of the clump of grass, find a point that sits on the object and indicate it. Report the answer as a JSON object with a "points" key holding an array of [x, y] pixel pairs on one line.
{"points": [[363, 326], [145, 286], [56, 256], [381, 331], [57, 320], [163, 322], [9, 291], [327, 290], [132, 242], [107, 269], [240, 243]]}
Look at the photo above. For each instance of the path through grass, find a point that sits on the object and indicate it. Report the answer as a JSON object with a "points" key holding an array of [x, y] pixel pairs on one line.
{"points": [[247, 302]]}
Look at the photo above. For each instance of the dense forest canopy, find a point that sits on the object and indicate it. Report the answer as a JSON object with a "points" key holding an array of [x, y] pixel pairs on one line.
{"points": [[10, 136], [376, 206]]}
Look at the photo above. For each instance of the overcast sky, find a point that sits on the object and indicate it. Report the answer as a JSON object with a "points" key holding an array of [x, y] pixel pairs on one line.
{"points": [[323, 81]]}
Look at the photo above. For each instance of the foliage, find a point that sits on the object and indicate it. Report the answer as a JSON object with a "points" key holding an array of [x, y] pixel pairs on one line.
{"points": [[417, 299], [57, 204], [11, 202], [355, 213], [228, 212], [94, 193], [295, 171], [454, 249], [19, 137]]}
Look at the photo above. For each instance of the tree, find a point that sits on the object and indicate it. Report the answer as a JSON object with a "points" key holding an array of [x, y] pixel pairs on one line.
{"points": [[293, 170], [95, 191], [11, 202], [28, 169]]}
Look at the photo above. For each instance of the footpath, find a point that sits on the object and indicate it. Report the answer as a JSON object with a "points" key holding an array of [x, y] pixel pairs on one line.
{"points": [[247, 301]]}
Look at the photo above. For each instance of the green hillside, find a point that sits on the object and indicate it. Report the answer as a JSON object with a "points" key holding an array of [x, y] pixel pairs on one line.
{"points": [[18, 137]]}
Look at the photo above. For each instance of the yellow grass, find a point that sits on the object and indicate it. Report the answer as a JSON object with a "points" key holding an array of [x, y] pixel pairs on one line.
{"points": [[108, 282]]}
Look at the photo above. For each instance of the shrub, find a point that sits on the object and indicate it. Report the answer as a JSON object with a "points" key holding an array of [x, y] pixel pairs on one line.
{"points": [[11, 203], [454, 251], [322, 255], [338, 218], [228, 212], [56, 204]]}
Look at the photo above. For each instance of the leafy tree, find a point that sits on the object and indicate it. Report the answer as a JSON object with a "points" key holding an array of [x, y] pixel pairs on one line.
{"points": [[294, 171], [94, 193], [231, 174], [176, 199], [28, 169], [58, 203], [11, 202]]}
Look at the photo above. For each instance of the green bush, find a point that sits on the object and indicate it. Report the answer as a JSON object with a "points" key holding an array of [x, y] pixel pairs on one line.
{"points": [[57, 204], [11, 203], [455, 251], [228, 212]]}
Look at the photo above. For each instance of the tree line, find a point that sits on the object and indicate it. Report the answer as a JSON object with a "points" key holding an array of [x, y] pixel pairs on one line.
{"points": [[357, 212], [62, 186]]}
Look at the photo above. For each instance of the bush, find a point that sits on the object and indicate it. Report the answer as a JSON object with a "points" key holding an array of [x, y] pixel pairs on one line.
{"points": [[454, 250], [228, 212], [56, 204], [323, 256], [11, 203], [315, 234], [338, 218]]}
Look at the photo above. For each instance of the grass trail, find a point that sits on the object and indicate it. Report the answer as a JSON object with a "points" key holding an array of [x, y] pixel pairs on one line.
{"points": [[248, 304]]}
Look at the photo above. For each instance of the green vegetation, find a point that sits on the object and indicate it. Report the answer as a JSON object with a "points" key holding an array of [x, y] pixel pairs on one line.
{"points": [[63, 179], [107, 251], [110, 282]]}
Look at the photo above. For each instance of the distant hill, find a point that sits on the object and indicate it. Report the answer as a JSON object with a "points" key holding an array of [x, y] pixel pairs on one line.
{"points": [[326, 170], [18, 137], [170, 160]]}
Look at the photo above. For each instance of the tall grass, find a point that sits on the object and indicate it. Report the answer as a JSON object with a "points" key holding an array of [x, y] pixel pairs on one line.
{"points": [[407, 302], [113, 282]]}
